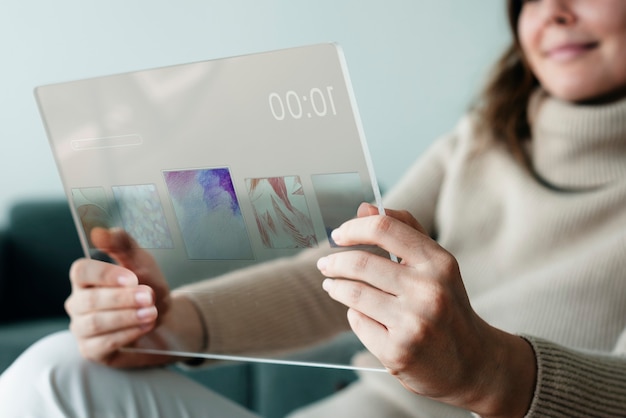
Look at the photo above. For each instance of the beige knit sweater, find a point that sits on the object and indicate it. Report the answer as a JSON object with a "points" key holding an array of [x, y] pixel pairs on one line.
{"points": [[546, 262]]}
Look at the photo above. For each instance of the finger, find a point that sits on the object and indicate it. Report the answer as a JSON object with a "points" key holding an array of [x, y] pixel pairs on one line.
{"points": [[118, 244], [390, 234], [367, 209], [372, 302], [371, 333], [109, 322], [406, 218], [88, 273], [382, 273], [102, 347], [109, 298]]}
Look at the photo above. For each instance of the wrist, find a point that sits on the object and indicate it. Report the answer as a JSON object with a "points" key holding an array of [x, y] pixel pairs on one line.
{"points": [[186, 321], [181, 329], [511, 378]]}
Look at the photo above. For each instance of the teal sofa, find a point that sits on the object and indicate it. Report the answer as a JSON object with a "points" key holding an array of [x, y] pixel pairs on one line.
{"points": [[37, 246]]}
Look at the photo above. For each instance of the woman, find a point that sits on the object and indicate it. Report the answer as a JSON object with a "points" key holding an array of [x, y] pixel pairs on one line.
{"points": [[520, 210]]}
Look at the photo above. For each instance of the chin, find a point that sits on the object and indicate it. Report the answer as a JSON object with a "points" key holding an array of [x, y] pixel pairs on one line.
{"points": [[580, 96]]}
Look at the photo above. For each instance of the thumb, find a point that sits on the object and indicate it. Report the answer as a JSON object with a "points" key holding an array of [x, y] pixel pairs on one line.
{"points": [[117, 244], [367, 209], [124, 250]]}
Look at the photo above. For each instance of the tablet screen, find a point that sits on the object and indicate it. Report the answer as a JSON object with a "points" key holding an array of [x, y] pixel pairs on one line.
{"points": [[214, 166]]}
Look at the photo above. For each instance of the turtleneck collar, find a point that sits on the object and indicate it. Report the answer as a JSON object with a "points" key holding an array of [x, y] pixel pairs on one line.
{"points": [[577, 146]]}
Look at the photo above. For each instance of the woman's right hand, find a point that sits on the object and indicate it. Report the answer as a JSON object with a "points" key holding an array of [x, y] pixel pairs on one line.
{"points": [[114, 306]]}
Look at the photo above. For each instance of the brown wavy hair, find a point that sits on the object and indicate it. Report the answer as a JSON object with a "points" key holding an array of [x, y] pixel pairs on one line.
{"points": [[502, 105]]}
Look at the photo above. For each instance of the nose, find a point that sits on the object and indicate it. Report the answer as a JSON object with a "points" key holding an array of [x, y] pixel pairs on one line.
{"points": [[559, 12]]}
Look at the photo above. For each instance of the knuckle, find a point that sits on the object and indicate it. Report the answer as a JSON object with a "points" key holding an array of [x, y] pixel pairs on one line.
{"points": [[436, 307], [440, 305], [382, 224], [73, 327], [361, 261], [77, 270], [447, 265], [68, 305], [422, 333], [405, 348], [92, 325], [414, 330], [109, 345], [354, 293], [89, 299], [396, 359]]}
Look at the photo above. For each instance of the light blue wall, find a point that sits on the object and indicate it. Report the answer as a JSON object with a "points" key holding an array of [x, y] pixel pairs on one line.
{"points": [[415, 64]]}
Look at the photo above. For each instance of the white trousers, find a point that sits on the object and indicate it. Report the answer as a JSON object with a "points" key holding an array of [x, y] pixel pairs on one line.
{"points": [[51, 380]]}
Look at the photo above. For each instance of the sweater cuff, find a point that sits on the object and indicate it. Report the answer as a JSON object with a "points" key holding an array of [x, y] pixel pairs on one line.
{"points": [[576, 383]]}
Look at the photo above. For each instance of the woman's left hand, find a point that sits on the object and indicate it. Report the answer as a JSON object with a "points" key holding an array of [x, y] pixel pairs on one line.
{"points": [[416, 318]]}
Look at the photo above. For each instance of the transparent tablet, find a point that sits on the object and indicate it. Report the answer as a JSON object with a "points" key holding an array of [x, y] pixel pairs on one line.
{"points": [[217, 166]]}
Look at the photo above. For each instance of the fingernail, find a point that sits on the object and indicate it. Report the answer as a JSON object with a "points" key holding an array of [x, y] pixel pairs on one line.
{"points": [[147, 313], [371, 208], [336, 235], [143, 298], [327, 284], [322, 263]]}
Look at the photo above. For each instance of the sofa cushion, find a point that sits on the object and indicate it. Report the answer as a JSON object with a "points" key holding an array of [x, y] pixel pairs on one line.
{"points": [[279, 389], [18, 336], [3, 261], [41, 244]]}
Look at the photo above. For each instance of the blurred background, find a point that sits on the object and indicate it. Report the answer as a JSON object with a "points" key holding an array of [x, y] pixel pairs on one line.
{"points": [[415, 65]]}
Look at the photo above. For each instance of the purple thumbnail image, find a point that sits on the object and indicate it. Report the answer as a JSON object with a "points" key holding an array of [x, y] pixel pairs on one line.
{"points": [[208, 214]]}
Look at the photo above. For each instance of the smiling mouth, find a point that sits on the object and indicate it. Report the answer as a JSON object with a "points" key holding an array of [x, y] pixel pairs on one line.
{"points": [[567, 52]]}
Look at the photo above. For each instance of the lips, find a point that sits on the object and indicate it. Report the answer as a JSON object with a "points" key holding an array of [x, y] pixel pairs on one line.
{"points": [[569, 50]]}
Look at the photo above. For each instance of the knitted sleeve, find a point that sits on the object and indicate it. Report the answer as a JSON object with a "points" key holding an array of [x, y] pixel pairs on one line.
{"points": [[577, 384]]}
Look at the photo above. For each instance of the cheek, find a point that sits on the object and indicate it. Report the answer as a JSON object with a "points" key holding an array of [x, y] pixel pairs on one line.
{"points": [[612, 66], [620, 66], [607, 17], [528, 35]]}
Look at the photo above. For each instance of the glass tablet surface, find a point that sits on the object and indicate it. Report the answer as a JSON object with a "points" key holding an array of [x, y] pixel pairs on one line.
{"points": [[216, 166]]}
